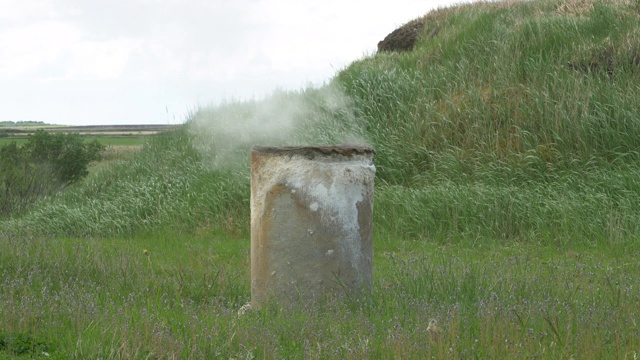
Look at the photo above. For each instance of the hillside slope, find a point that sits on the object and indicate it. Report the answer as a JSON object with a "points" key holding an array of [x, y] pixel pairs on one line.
{"points": [[508, 121]]}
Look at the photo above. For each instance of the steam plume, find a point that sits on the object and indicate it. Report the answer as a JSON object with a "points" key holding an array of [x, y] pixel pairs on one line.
{"points": [[314, 116]]}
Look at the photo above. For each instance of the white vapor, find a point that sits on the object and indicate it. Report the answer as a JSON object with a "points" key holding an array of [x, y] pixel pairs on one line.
{"points": [[224, 134]]}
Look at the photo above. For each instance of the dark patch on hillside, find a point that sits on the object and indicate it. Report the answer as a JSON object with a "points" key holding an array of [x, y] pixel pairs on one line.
{"points": [[405, 37], [609, 59]]}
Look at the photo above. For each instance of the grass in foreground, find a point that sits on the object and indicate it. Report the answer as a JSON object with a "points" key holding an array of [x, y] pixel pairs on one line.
{"points": [[175, 297]]}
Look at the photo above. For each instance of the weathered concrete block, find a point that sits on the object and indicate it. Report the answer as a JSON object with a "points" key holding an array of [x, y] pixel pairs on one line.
{"points": [[311, 222]]}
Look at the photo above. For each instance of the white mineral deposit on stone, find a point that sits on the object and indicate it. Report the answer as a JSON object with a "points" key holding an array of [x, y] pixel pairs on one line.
{"points": [[337, 193], [338, 199]]}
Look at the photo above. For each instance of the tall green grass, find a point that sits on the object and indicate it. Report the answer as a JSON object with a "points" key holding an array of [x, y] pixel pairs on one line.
{"points": [[165, 186], [518, 121], [166, 297]]}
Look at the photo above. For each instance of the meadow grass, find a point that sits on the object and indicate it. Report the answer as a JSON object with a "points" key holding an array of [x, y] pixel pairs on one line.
{"points": [[505, 208], [173, 296]]}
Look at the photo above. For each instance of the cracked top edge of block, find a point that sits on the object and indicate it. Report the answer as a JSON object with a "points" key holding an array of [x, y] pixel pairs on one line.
{"points": [[343, 149]]}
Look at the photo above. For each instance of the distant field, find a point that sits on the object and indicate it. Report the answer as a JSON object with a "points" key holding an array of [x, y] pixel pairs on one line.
{"points": [[108, 135], [120, 140], [5, 141], [104, 140]]}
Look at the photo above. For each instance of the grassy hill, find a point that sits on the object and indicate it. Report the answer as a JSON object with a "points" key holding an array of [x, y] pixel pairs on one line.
{"points": [[505, 203], [516, 121]]}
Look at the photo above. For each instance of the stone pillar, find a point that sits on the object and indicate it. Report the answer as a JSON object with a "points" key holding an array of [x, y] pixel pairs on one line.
{"points": [[311, 222]]}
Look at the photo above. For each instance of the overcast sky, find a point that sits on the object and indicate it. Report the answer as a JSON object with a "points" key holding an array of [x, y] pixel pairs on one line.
{"points": [[89, 62]]}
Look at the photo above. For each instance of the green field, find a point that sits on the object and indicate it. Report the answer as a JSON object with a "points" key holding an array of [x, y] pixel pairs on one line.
{"points": [[506, 209], [89, 298], [108, 135], [19, 141], [104, 140]]}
